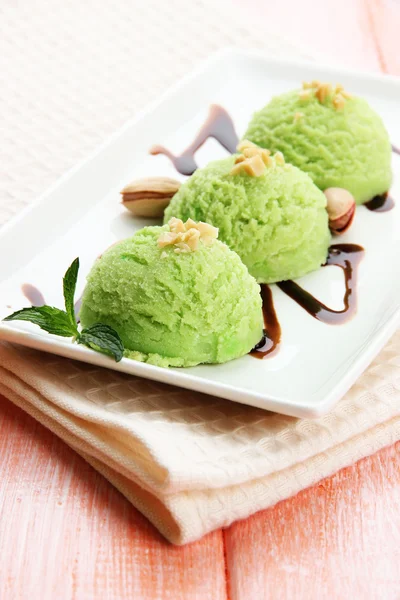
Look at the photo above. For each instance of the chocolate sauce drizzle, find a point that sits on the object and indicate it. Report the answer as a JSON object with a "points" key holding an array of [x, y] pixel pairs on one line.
{"points": [[268, 344], [347, 257], [219, 125], [77, 308], [395, 149], [33, 294], [382, 203]]}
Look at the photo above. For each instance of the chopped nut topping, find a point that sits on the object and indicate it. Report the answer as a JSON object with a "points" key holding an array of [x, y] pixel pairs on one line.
{"points": [[248, 150], [298, 116], [253, 160], [279, 158], [338, 101], [245, 144], [324, 91], [186, 236], [305, 94], [253, 166], [177, 226]]}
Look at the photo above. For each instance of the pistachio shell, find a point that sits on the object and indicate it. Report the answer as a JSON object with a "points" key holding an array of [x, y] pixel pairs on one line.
{"points": [[341, 208], [150, 196]]}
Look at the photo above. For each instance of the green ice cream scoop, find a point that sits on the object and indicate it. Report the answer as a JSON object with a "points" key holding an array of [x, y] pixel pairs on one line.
{"points": [[276, 222], [339, 141], [174, 308]]}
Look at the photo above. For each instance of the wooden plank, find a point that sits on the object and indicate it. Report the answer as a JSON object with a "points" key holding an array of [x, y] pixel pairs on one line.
{"points": [[339, 539], [65, 532]]}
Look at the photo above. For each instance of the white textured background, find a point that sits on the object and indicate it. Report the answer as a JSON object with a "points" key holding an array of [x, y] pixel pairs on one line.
{"points": [[72, 72]]}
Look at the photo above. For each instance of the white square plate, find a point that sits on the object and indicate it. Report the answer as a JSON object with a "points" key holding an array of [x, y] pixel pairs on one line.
{"points": [[81, 216]]}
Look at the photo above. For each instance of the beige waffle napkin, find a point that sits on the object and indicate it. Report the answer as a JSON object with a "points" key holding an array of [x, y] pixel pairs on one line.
{"points": [[192, 463]]}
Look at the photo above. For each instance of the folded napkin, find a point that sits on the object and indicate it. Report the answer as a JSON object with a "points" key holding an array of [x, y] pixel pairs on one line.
{"points": [[192, 463]]}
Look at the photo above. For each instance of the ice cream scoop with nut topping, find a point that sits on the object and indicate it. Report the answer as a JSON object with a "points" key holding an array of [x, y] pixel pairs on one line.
{"points": [[176, 295], [332, 135], [266, 210]]}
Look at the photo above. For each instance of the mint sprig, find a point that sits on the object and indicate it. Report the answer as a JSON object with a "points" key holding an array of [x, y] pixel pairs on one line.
{"points": [[98, 337], [69, 287]]}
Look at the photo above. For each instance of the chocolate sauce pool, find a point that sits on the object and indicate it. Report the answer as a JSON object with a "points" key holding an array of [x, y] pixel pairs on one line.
{"points": [[272, 329], [219, 125], [382, 203]]}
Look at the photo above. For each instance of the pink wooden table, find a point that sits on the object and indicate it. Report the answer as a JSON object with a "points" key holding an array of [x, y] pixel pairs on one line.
{"points": [[66, 533]]}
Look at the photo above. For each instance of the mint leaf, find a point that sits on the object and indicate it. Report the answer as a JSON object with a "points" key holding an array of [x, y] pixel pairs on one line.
{"points": [[102, 338], [69, 286], [52, 320]]}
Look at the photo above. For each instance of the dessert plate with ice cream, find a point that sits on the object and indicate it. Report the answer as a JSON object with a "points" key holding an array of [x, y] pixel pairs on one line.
{"points": [[254, 255]]}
